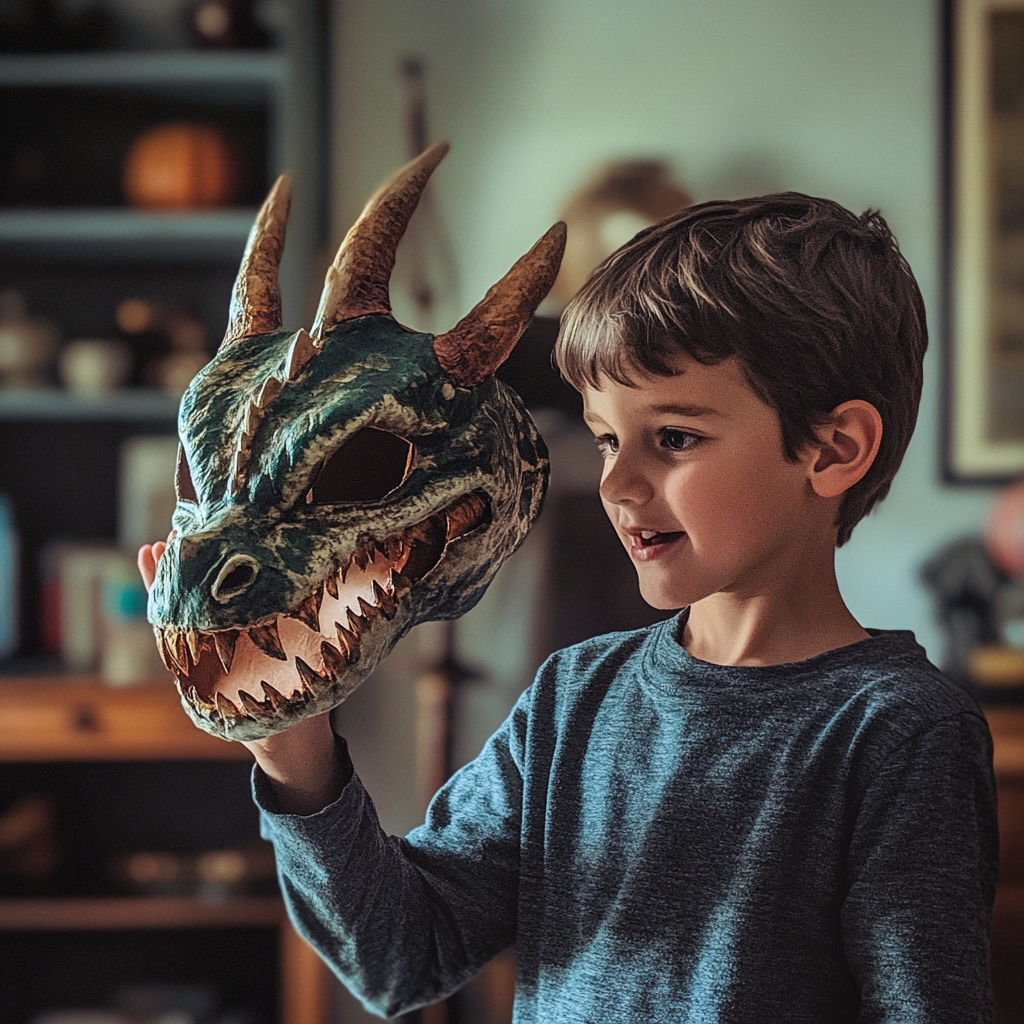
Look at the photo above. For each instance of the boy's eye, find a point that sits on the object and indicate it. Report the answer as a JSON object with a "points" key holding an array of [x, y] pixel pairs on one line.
{"points": [[607, 444], [678, 440]]}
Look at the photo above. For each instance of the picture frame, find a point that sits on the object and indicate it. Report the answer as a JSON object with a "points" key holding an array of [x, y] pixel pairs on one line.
{"points": [[983, 278]]}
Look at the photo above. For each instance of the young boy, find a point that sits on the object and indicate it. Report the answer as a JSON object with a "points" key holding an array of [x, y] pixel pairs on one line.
{"points": [[758, 811]]}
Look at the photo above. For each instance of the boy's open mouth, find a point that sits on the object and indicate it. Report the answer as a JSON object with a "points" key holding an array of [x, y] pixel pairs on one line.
{"points": [[647, 544], [651, 537]]}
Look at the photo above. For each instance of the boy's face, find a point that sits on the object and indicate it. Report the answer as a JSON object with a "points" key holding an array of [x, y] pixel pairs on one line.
{"points": [[697, 486]]}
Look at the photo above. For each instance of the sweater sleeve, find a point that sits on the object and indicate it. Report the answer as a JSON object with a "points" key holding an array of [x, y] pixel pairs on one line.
{"points": [[922, 871], [405, 921]]}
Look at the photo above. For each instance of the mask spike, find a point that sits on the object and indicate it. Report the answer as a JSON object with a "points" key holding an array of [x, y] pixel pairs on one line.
{"points": [[300, 352], [357, 281], [256, 300], [272, 387], [481, 341]]}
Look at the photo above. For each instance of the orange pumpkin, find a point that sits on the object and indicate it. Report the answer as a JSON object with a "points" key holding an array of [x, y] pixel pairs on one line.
{"points": [[180, 166]]}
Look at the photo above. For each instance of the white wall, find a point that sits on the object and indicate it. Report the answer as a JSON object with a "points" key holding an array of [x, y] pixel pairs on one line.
{"points": [[830, 97]]}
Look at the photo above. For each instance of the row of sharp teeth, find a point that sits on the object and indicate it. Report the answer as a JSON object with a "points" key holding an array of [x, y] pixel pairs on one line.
{"points": [[182, 649]]}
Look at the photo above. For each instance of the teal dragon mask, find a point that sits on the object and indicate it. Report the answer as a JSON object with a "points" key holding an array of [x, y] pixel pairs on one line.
{"points": [[336, 487]]}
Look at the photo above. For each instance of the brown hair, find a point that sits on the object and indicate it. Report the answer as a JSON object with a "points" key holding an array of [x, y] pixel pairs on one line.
{"points": [[819, 305]]}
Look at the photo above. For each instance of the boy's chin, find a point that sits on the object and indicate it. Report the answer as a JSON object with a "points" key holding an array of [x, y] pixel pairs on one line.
{"points": [[661, 596]]}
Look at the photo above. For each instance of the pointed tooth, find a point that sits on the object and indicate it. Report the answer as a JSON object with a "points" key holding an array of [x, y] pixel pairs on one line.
{"points": [[380, 547], [334, 660], [180, 651], [367, 610], [345, 568], [355, 623], [349, 641], [250, 704], [192, 697], [311, 680], [266, 638], [393, 549], [274, 697], [224, 642], [400, 584], [225, 707], [192, 640], [331, 585], [163, 649], [272, 387], [360, 558], [300, 352], [307, 613], [385, 602]]}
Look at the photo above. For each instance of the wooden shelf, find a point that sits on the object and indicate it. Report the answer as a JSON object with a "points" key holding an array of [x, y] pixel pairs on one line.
{"points": [[142, 912], [1007, 726], [79, 718]]}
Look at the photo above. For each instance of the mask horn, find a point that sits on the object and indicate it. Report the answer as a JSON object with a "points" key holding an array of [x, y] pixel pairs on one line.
{"points": [[256, 300], [483, 339], [357, 281]]}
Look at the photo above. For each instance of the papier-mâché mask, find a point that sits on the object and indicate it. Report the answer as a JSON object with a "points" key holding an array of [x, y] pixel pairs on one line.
{"points": [[337, 487]]}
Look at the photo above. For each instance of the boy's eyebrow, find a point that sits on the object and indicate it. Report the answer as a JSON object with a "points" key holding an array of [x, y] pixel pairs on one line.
{"points": [[685, 410]]}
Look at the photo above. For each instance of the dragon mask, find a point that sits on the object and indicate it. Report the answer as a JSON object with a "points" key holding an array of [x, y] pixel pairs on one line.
{"points": [[337, 487]]}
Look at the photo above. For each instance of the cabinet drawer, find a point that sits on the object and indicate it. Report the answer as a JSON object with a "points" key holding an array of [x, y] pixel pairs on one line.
{"points": [[78, 718]]}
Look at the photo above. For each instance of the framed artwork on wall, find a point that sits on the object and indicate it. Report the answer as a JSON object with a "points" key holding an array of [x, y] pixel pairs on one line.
{"points": [[984, 273]]}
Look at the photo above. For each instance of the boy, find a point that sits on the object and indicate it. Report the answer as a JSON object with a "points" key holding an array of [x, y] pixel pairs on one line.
{"points": [[756, 811]]}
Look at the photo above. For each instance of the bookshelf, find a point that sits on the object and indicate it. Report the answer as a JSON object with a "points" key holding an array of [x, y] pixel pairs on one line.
{"points": [[69, 722], [123, 769]]}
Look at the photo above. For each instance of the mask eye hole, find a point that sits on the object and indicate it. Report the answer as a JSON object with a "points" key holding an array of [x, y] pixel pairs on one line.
{"points": [[368, 466], [183, 486]]}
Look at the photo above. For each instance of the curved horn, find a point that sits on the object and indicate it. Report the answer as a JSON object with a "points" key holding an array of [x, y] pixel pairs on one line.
{"points": [[357, 282], [256, 300], [482, 340]]}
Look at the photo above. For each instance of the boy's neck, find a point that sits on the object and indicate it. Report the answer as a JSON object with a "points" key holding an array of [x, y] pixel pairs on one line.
{"points": [[788, 623]]}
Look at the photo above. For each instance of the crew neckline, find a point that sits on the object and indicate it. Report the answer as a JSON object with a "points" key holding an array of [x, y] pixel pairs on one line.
{"points": [[671, 668]]}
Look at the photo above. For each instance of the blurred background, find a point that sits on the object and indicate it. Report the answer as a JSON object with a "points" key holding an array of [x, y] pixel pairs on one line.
{"points": [[138, 136]]}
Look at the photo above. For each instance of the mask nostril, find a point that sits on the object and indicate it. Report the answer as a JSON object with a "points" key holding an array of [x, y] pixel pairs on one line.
{"points": [[235, 576]]}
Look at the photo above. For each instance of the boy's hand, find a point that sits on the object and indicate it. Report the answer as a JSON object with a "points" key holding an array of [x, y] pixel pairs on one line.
{"points": [[301, 762], [149, 555]]}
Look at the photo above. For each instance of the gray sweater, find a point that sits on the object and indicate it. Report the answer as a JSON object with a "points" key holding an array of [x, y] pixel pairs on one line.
{"points": [[663, 839]]}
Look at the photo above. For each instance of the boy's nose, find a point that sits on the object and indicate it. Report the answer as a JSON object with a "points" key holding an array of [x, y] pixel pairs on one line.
{"points": [[623, 483]]}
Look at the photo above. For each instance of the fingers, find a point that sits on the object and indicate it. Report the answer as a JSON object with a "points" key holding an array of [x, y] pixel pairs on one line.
{"points": [[149, 555], [147, 564]]}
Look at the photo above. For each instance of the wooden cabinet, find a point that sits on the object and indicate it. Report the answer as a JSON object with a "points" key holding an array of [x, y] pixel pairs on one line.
{"points": [[1007, 725], [60, 948]]}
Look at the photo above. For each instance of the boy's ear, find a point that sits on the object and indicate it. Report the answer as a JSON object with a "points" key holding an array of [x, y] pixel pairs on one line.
{"points": [[846, 447]]}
